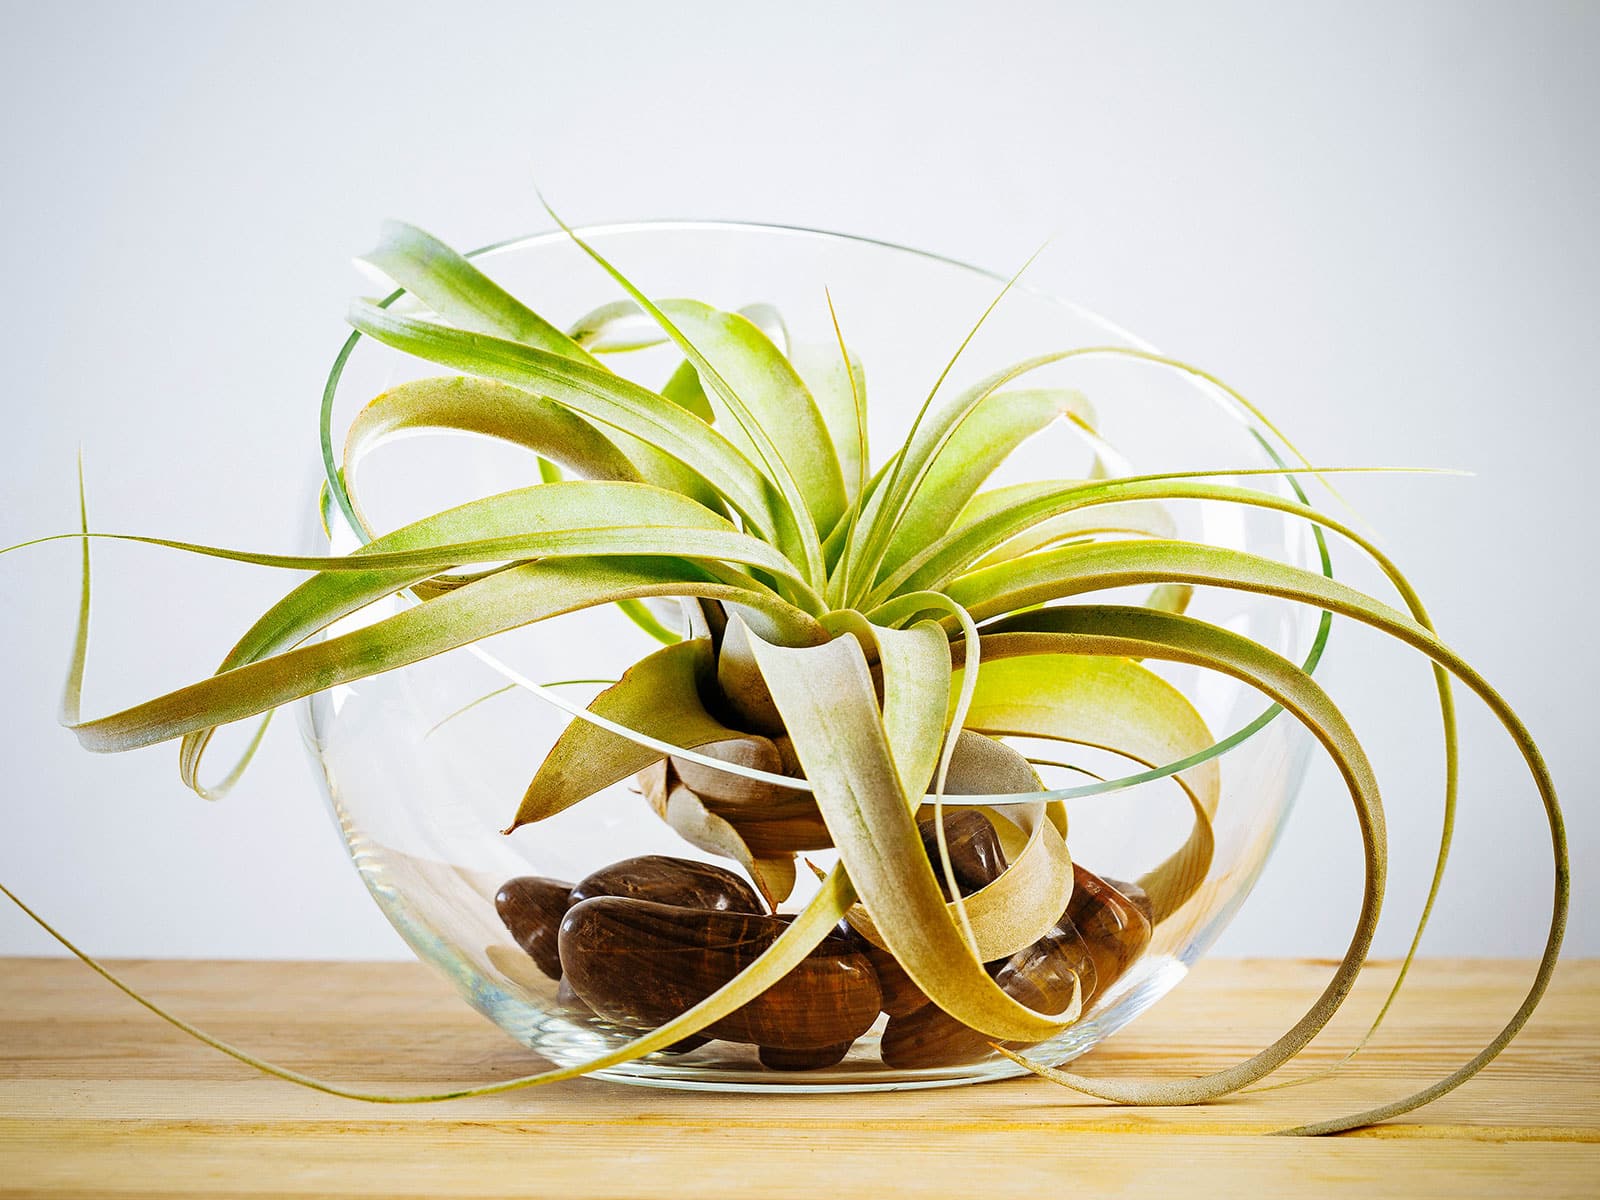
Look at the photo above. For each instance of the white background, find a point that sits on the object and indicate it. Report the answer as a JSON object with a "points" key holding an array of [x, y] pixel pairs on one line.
{"points": [[1377, 220]]}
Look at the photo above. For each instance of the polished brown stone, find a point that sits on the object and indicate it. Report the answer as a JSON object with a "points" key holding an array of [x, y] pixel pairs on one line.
{"points": [[531, 908], [1041, 975], [975, 853], [778, 1059], [573, 1003], [900, 994], [1115, 932], [1114, 928], [683, 882], [638, 962], [1135, 894]]}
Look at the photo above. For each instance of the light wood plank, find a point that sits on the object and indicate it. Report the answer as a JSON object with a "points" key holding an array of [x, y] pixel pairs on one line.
{"points": [[98, 1098]]}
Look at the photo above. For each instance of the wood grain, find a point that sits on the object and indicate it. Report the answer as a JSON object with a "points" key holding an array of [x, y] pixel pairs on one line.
{"points": [[97, 1098]]}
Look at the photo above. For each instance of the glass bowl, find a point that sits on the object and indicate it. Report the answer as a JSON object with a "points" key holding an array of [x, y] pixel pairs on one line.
{"points": [[424, 766]]}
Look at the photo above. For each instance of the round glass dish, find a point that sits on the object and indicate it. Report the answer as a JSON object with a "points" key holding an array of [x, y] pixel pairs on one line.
{"points": [[424, 766]]}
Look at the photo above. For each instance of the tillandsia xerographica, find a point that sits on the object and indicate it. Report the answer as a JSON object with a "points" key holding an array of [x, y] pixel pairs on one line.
{"points": [[857, 640]]}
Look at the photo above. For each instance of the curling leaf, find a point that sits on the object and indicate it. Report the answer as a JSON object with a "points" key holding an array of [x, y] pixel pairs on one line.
{"points": [[452, 285], [1109, 630], [1113, 704], [494, 410], [828, 703], [773, 875]]}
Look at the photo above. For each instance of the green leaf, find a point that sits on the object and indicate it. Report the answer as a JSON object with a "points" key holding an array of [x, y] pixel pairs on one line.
{"points": [[616, 327], [639, 613], [841, 396], [491, 409], [776, 398], [802, 935], [1079, 569], [591, 392], [449, 284], [573, 517], [683, 389], [929, 436], [1023, 903], [1147, 519], [1027, 508], [994, 428], [793, 531], [1031, 689], [512, 598], [658, 696], [452, 286], [1128, 632], [916, 696]]}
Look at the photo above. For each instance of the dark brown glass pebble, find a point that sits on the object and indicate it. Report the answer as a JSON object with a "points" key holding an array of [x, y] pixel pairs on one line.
{"points": [[1135, 894], [567, 998], [778, 1059], [900, 994], [1114, 933], [682, 882], [1114, 929], [639, 963], [532, 908], [572, 1002], [1041, 975], [975, 853]]}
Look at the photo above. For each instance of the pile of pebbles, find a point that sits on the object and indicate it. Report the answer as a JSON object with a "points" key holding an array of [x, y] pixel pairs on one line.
{"points": [[643, 940]]}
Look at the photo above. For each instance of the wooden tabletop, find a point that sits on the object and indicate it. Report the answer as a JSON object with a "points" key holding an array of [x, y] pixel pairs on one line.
{"points": [[99, 1098]]}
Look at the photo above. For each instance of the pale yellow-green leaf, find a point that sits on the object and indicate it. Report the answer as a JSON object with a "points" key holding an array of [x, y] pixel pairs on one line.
{"points": [[1112, 704], [593, 393], [1023, 904], [815, 922], [988, 434], [659, 695], [828, 703], [506, 600]]}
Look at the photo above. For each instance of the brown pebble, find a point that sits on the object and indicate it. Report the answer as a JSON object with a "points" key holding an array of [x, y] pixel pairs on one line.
{"points": [[1134, 893], [900, 994], [1114, 929], [531, 908], [572, 1002], [975, 853], [778, 1059], [682, 882], [567, 998], [1041, 975], [637, 962], [1113, 934]]}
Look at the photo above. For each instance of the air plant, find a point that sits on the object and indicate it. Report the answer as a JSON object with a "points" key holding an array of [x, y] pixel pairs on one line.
{"points": [[856, 635]]}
